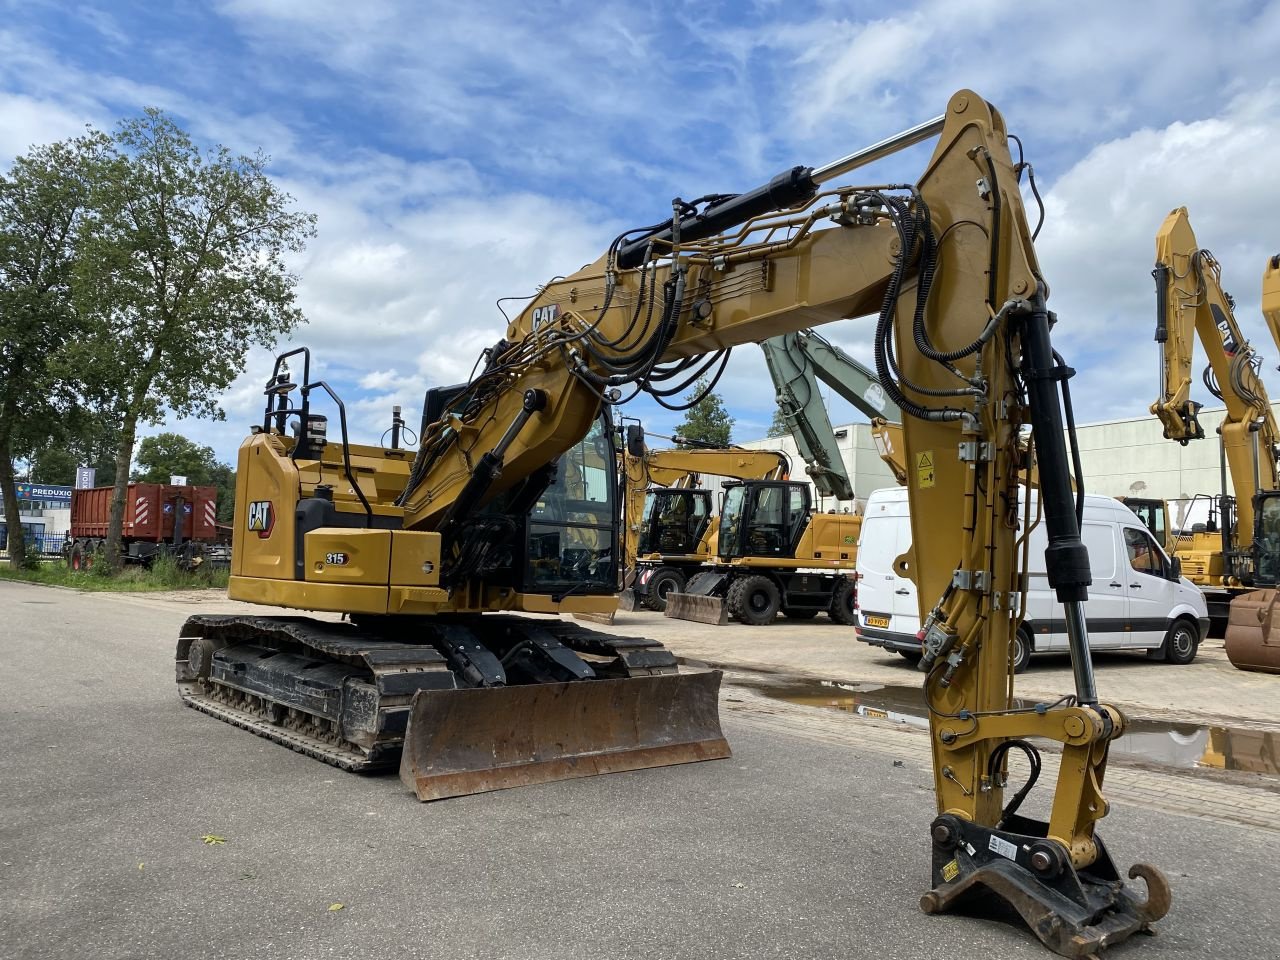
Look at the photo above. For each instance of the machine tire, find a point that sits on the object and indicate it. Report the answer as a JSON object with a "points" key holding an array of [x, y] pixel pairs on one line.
{"points": [[799, 613], [1181, 643], [665, 580], [754, 600], [1023, 645], [75, 560], [842, 601]]}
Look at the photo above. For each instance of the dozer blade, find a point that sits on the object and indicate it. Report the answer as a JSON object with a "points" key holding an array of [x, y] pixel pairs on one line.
{"points": [[698, 608], [460, 742]]}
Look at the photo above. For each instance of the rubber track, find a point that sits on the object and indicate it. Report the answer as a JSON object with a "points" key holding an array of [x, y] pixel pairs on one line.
{"points": [[346, 643]]}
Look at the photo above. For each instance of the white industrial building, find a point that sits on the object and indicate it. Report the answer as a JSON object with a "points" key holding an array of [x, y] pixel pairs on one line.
{"points": [[1120, 458]]}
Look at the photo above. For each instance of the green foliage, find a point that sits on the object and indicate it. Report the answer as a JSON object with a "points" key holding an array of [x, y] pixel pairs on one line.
{"points": [[44, 201], [165, 455], [779, 426], [163, 574], [707, 421], [181, 270]]}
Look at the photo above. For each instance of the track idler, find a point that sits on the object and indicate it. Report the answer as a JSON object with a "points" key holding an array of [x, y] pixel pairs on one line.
{"points": [[460, 742], [1074, 912]]}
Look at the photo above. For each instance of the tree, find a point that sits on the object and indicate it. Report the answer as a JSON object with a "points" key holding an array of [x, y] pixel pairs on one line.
{"points": [[43, 204], [779, 426], [707, 421], [181, 271], [171, 454]]}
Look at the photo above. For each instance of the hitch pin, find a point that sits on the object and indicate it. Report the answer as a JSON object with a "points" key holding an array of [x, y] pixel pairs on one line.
{"points": [[950, 775]]}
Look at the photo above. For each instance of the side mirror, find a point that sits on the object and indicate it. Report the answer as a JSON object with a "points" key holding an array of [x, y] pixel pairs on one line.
{"points": [[1175, 565]]}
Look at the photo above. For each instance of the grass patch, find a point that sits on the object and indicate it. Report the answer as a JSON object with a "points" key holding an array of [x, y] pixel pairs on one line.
{"points": [[163, 574]]}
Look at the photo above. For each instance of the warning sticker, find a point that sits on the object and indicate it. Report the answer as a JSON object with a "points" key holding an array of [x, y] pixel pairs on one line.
{"points": [[1003, 847], [924, 469], [950, 871]]}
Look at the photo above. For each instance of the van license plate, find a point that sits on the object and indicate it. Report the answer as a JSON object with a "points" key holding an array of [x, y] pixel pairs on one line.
{"points": [[871, 620]]}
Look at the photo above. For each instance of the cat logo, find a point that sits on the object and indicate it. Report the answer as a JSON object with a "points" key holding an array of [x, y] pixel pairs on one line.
{"points": [[262, 517], [544, 315], [1229, 344]]}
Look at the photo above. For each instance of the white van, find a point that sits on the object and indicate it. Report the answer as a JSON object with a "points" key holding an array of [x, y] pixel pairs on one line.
{"points": [[1136, 602]]}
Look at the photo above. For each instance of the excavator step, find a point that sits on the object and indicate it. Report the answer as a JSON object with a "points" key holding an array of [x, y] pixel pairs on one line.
{"points": [[472, 741]]}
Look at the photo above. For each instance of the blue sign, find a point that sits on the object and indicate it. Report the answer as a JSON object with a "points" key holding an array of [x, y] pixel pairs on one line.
{"points": [[43, 492]]}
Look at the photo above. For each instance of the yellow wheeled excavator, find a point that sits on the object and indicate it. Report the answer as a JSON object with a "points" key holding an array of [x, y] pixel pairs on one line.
{"points": [[670, 520], [1240, 548], [508, 507]]}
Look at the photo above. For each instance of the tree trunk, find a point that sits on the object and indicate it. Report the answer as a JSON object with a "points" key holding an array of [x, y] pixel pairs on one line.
{"points": [[17, 542], [124, 456]]}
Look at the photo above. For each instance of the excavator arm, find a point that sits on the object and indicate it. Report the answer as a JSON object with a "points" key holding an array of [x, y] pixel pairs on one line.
{"points": [[797, 362], [1191, 305]]}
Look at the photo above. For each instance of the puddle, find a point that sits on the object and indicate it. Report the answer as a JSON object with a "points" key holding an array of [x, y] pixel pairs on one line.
{"points": [[1185, 746]]}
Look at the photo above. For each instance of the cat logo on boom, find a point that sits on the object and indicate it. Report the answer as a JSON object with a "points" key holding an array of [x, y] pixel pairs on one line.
{"points": [[544, 315], [262, 517]]}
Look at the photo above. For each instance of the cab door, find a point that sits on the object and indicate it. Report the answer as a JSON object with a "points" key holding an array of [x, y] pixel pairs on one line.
{"points": [[1151, 590]]}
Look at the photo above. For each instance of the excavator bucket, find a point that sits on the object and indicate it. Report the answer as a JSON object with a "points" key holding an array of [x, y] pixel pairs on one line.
{"points": [[627, 600], [460, 742], [697, 607], [1253, 635]]}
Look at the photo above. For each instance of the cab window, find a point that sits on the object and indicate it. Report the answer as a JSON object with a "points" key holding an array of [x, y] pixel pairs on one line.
{"points": [[1144, 555]]}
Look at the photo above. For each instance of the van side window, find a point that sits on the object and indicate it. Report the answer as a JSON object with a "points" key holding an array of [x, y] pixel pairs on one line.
{"points": [[1144, 556], [1100, 542]]}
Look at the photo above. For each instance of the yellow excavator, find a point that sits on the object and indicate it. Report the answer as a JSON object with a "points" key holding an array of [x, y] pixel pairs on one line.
{"points": [[508, 507], [670, 521], [1239, 547]]}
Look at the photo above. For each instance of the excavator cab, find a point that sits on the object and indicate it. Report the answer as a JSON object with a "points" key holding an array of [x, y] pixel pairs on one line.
{"points": [[763, 519], [675, 520], [572, 530]]}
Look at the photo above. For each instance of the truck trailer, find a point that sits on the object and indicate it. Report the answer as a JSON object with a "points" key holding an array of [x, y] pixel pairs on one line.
{"points": [[159, 519]]}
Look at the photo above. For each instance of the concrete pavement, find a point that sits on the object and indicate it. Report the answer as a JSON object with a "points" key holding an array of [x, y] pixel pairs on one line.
{"points": [[810, 842]]}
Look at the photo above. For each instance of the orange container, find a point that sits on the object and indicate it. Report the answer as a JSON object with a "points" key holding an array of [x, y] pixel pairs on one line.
{"points": [[149, 512]]}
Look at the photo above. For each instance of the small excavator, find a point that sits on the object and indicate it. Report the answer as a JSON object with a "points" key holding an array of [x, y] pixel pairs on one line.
{"points": [[508, 507], [1239, 550]]}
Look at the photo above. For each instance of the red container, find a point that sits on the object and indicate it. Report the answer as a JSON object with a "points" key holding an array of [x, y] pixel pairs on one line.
{"points": [[149, 511]]}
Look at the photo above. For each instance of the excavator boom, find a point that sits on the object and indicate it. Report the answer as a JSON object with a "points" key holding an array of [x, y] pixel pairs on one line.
{"points": [[797, 362]]}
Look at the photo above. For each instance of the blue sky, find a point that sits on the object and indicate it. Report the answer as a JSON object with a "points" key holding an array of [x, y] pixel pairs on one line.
{"points": [[456, 153]]}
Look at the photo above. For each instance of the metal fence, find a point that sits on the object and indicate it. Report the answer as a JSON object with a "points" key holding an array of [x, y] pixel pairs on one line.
{"points": [[49, 544]]}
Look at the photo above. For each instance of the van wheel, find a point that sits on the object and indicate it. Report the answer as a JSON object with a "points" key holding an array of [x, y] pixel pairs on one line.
{"points": [[1180, 643], [1022, 647], [911, 656], [754, 600], [846, 594], [665, 580]]}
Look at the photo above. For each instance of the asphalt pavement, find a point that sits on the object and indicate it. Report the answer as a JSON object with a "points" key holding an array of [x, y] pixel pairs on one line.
{"points": [[795, 847]]}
